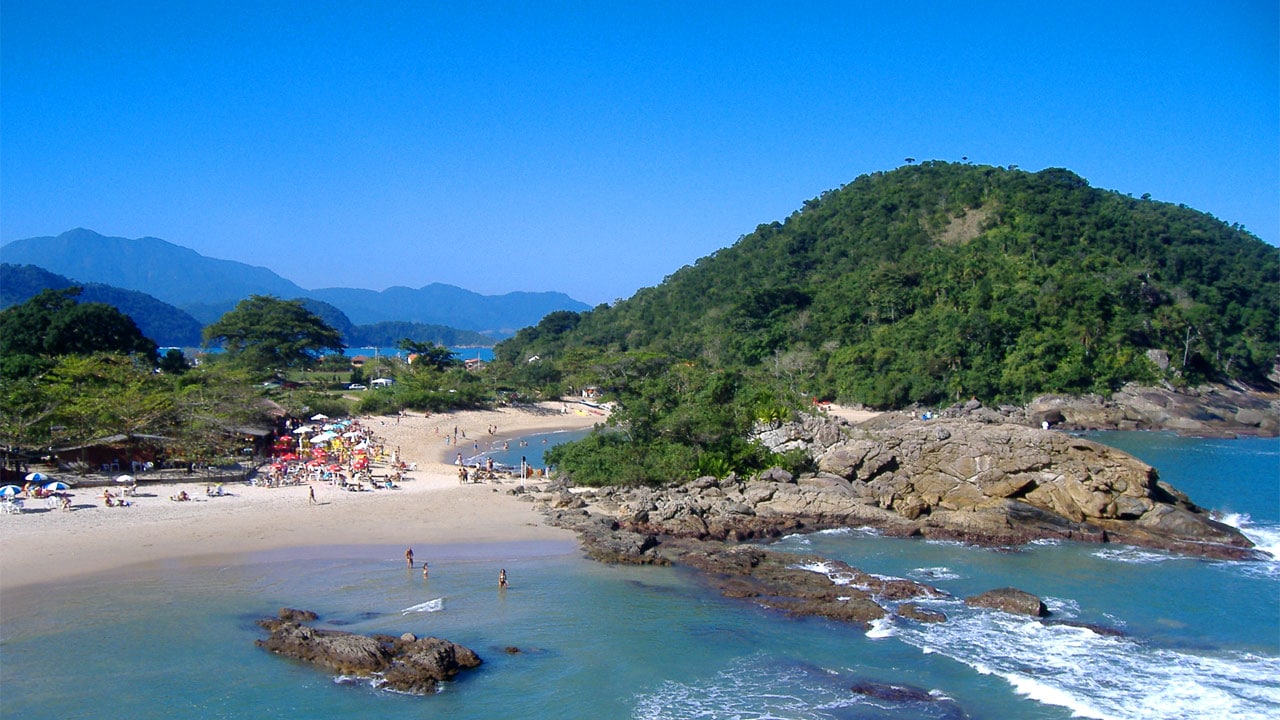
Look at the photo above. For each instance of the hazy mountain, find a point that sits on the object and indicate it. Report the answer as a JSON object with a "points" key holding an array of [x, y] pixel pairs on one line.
{"points": [[207, 287], [448, 305], [160, 321], [168, 272]]}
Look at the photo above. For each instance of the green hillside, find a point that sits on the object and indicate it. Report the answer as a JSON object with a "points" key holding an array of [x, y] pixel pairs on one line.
{"points": [[941, 281]]}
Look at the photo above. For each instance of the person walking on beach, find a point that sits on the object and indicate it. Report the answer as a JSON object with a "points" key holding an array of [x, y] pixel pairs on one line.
{"points": [[502, 578], [408, 556], [312, 495]]}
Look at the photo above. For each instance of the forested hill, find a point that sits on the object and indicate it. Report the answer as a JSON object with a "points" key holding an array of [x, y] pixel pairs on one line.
{"points": [[940, 281]]}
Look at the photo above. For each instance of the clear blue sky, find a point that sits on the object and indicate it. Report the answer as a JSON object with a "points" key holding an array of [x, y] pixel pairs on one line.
{"points": [[544, 146]]}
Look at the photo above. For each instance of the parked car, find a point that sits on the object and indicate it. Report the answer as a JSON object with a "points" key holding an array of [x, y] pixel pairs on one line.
{"points": [[356, 386]]}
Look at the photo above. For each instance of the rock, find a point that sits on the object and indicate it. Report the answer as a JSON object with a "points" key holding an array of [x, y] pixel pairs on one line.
{"points": [[1009, 600], [891, 693], [406, 664], [911, 611], [292, 615]]}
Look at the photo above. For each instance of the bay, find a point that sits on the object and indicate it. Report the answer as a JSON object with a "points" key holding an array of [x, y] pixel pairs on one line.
{"points": [[175, 639]]}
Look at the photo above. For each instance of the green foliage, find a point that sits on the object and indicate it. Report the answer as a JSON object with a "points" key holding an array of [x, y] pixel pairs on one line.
{"points": [[53, 324], [938, 282], [269, 334], [174, 362], [387, 333], [429, 354], [929, 284]]}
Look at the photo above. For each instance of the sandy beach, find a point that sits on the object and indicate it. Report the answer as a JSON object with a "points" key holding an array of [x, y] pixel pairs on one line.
{"points": [[430, 507]]}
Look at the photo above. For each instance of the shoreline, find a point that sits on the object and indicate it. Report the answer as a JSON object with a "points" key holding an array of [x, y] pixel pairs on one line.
{"points": [[428, 508]]}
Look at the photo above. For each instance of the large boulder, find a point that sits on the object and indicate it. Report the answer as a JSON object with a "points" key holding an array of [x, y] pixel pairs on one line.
{"points": [[405, 664], [1009, 600]]}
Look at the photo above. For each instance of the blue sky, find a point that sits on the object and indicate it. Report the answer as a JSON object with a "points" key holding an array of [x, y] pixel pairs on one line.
{"points": [[594, 148]]}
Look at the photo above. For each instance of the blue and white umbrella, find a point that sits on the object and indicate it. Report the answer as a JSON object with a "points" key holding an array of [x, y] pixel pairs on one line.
{"points": [[37, 477], [57, 486], [10, 491]]}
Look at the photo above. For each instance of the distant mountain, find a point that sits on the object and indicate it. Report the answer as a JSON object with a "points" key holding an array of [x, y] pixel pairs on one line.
{"points": [[168, 272], [207, 287], [160, 321], [448, 305]]}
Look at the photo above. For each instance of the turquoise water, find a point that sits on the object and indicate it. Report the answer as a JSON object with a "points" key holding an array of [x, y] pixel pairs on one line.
{"points": [[175, 640]]}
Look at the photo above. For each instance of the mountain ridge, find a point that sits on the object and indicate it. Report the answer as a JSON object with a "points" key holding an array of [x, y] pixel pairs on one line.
{"points": [[206, 287]]}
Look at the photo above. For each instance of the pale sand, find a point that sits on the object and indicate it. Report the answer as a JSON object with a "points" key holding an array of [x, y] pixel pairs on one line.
{"points": [[429, 508]]}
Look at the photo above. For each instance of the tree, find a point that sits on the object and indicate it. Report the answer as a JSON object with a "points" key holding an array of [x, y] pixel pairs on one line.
{"points": [[268, 334], [429, 354], [53, 324]]}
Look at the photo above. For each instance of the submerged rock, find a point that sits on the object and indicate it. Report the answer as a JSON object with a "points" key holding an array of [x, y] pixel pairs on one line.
{"points": [[406, 664]]}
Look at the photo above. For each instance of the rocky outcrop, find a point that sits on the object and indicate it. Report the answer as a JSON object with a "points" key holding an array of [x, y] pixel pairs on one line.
{"points": [[960, 479], [406, 664], [1209, 411], [1009, 600]]}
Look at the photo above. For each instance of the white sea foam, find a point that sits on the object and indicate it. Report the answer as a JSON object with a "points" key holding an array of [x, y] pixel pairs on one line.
{"points": [[1100, 676], [1062, 606], [1133, 555], [1265, 537], [758, 687], [881, 628], [429, 606], [935, 573]]}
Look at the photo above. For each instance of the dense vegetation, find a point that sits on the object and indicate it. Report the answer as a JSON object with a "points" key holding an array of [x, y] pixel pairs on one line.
{"points": [[938, 282], [162, 322], [930, 284]]}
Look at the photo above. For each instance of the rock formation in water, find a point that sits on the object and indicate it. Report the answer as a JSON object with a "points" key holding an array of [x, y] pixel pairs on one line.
{"points": [[406, 664], [958, 479]]}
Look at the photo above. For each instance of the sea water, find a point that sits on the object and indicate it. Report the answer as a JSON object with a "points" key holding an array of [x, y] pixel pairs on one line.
{"points": [[1163, 636]]}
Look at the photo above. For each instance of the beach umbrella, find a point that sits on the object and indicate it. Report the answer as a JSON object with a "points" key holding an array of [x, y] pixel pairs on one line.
{"points": [[304, 429], [36, 477], [288, 456], [10, 491], [57, 486], [125, 479], [319, 416]]}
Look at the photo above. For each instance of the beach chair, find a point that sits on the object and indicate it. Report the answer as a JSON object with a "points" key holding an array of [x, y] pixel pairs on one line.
{"points": [[11, 507]]}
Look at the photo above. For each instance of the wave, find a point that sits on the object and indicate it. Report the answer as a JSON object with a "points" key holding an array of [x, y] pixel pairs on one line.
{"points": [[934, 573], [429, 606], [1134, 555], [760, 687], [1099, 676]]}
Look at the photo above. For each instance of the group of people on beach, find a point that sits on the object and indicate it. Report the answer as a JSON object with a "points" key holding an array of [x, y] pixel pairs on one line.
{"points": [[408, 558]]}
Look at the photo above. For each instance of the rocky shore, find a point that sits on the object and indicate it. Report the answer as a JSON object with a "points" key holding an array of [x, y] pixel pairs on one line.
{"points": [[953, 476], [1208, 411]]}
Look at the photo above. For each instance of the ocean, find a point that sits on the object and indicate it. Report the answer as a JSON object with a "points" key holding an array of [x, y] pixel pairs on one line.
{"points": [[1186, 638]]}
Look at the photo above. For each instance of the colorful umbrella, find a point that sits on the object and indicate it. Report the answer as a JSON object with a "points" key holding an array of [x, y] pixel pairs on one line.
{"points": [[36, 477], [10, 491], [57, 486]]}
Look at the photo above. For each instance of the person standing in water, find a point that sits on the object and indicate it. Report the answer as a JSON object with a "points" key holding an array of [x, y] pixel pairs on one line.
{"points": [[408, 557], [502, 578], [424, 569]]}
